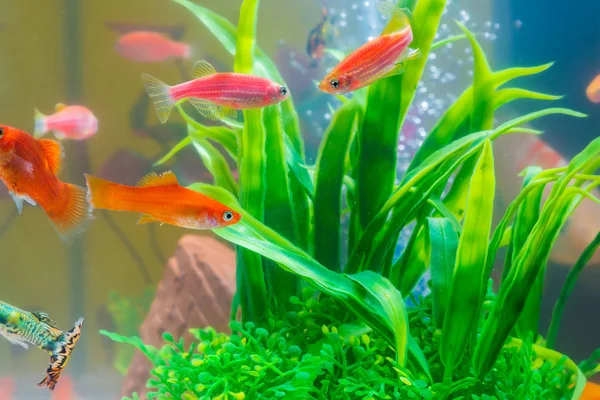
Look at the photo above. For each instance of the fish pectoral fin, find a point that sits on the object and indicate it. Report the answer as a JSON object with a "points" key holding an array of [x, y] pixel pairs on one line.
{"points": [[146, 219], [13, 339], [208, 110], [227, 112], [59, 107], [59, 135], [167, 178], [409, 54], [53, 151], [397, 69], [44, 318], [203, 68]]}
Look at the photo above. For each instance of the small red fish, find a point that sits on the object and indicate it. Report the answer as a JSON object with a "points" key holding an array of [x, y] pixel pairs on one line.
{"points": [[379, 58], [68, 122], [593, 90], [160, 198], [150, 47], [215, 95], [28, 168], [8, 387]]}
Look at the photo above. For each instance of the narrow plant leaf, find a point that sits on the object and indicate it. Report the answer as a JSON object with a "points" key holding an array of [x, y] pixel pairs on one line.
{"points": [[443, 240], [216, 165], [468, 281], [567, 289], [251, 161], [176, 149], [329, 180]]}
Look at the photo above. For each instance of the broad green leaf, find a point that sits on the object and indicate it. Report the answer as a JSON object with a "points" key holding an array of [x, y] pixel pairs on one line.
{"points": [[469, 281]]}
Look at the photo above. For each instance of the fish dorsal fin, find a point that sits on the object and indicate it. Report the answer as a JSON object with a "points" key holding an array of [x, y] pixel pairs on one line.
{"points": [[60, 107], [167, 178], [43, 317], [53, 151], [146, 219], [203, 68], [399, 17]]}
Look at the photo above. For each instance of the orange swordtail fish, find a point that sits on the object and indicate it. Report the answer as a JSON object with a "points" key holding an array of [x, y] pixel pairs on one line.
{"points": [[28, 168], [160, 198], [380, 58]]}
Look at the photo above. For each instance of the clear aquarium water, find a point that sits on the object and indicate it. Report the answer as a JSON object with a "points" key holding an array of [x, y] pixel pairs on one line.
{"points": [[395, 200]]}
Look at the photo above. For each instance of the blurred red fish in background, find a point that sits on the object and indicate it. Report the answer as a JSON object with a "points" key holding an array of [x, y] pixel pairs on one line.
{"points": [[64, 391], [150, 47], [8, 388], [68, 122], [593, 90]]}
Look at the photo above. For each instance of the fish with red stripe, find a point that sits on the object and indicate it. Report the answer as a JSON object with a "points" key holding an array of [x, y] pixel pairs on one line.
{"points": [[215, 95]]}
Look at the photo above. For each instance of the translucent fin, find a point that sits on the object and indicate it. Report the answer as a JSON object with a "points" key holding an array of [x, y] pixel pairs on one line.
{"points": [[59, 135], [226, 112], [409, 54], [53, 151], [60, 107], [167, 178], [146, 219], [160, 96], [39, 121], [13, 339], [60, 356], [396, 70], [208, 110], [203, 68], [399, 17], [43, 317], [19, 199], [70, 212]]}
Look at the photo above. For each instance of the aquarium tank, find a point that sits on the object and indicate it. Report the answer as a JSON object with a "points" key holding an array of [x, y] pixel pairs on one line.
{"points": [[285, 199]]}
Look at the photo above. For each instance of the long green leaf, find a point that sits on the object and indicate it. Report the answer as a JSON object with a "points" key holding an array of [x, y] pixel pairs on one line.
{"points": [[469, 281], [251, 161], [443, 240], [329, 180], [279, 208], [216, 165], [567, 289]]}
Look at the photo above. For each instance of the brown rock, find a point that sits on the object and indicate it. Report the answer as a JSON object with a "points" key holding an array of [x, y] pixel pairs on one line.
{"points": [[196, 291]]}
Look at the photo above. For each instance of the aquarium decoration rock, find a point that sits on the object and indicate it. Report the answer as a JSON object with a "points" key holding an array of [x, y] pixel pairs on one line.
{"points": [[195, 291]]}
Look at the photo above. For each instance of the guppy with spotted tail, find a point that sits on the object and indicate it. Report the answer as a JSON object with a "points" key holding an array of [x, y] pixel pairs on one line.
{"points": [[21, 327]]}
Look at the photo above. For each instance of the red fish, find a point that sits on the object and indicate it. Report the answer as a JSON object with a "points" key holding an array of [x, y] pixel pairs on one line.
{"points": [[68, 122], [215, 95], [593, 90], [8, 388], [28, 168], [379, 58], [160, 198], [149, 47]]}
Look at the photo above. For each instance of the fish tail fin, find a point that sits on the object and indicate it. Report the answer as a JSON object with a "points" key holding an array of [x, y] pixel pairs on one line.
{"points": [[160, 96], [71, 212], [40, 127], [60, 356], [399, 16], [99, 192]]}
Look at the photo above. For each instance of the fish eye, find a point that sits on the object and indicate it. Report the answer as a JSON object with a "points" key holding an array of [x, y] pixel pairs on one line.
{"points": [[335, 83], [1, 132], [227, 215], [283, 90]]}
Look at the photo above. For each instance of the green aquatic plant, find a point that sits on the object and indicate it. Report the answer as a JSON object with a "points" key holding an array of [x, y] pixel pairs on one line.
{"points": [[462, 341]]}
